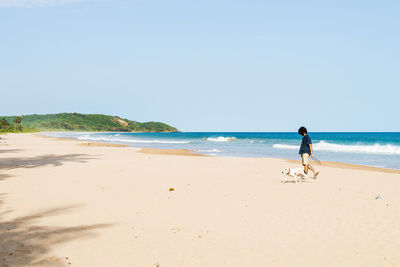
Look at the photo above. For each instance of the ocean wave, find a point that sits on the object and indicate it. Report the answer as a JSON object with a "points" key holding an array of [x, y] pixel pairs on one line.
{"points": [[284, 146], [331, 147], [221, 139], [257, 141], [209, 151], [119, 140]]}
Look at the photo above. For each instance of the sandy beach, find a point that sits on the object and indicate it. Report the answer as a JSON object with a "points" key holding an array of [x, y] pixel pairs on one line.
{"points": [[68, 203]]}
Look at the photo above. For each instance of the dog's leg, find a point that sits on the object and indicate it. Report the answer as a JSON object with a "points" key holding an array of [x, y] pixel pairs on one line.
{"points": [[284, 179], [295, 178]]}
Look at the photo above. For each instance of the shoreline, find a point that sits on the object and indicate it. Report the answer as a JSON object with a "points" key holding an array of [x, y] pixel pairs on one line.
{"points": [[64, 202], [175, 152], [188, 152]]}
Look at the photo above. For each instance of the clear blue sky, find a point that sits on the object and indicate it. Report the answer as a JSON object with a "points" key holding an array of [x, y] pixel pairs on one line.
{"points": [[206, 65]]}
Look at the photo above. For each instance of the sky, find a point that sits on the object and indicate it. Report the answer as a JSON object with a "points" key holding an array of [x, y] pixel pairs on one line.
{"points": [[209, 65]]}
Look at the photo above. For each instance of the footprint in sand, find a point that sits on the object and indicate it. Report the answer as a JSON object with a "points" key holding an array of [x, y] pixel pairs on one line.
{"points": [[175, 230]]}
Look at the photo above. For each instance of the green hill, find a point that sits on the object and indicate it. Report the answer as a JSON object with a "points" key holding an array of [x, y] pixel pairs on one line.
{"points": [[88, 122]]}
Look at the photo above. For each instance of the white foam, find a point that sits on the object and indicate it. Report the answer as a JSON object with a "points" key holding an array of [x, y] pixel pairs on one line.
{"points": [[107, 139], [285, 146], [331, 147], [221, 139], [209, 150], [66, 134]]}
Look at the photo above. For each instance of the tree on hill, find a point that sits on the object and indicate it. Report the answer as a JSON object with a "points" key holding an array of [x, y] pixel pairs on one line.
{"points": [[17, 123], [6, 127], [17, 120], [4, 123]]}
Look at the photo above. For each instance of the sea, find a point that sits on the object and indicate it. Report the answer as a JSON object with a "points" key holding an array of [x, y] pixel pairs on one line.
{"points": [[365, 148]]}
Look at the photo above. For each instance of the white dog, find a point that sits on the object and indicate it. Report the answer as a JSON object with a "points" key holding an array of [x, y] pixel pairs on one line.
{"points": [[295, 173]]}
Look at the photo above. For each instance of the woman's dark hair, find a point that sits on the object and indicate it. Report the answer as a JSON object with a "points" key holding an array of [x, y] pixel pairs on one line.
{"points": [[302, 130]]}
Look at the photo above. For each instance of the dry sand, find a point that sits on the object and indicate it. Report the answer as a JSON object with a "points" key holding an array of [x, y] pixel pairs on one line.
{"points": [[67, 204]]}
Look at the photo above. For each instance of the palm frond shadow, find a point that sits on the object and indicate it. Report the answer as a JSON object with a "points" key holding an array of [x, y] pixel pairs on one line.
{"points": [[4, 176], [25, 243], [10, 150], [43, 160]]}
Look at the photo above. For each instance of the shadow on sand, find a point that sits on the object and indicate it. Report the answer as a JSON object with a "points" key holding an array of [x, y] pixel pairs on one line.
{"points": [[10, 150], [24, 243], [38, 161], [4, 176]]}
